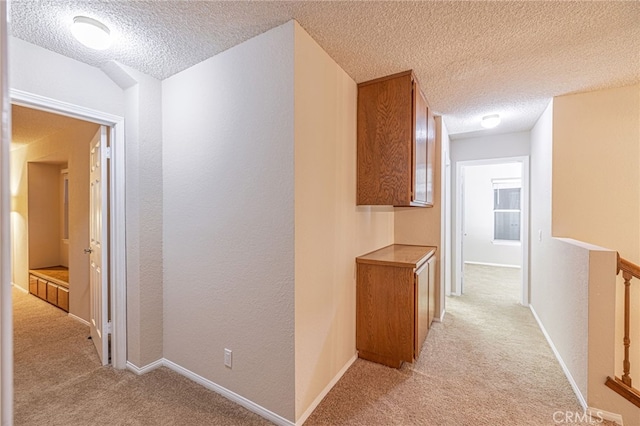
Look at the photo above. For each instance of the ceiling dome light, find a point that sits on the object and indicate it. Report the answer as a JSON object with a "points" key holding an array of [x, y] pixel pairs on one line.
{"points": [[490, 121], [91, 33]]}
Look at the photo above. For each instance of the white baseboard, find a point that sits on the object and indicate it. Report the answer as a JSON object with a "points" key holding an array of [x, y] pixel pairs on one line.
{"points": [[17, 287], [238, 399], [232, 396], [325, 391], [145, 369], [597, 414], [77, 318], [572, 382], [501, 265]]}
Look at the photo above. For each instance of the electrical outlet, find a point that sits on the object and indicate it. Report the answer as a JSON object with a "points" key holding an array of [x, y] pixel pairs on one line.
{"points": [[227, 357]]}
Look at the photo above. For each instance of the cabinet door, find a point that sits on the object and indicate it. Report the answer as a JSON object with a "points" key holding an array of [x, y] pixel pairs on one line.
{"points": [[63, 298], [385, 139], [52, 293], [385, 314], [420, 165], [42, 289], [431, 158], [421, 308], [33, 284], [432, 288]]}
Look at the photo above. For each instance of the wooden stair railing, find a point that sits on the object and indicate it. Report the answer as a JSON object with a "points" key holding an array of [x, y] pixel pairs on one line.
{"points": [[623, 385]]}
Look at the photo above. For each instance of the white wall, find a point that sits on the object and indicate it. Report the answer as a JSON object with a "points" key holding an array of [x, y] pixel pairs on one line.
{"points": [[572, 288], [479, 245], [41, 72], [143, 109], [506, 145], [559, 271], [446, 251], [488, 147], [330, 230], [228, 219]]}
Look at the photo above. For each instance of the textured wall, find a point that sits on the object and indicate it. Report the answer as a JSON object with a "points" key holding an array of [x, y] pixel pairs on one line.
{"points": [[45, 73], [330, 230], [144, 215], [559, 271], [228, 219]]}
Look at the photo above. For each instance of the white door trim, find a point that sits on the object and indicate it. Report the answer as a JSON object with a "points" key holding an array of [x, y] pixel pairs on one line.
{"points": [[117, 265], [524, 160], [6, 308]]}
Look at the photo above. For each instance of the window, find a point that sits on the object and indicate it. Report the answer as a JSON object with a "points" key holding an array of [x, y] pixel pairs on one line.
{"points": [[506, 209]]}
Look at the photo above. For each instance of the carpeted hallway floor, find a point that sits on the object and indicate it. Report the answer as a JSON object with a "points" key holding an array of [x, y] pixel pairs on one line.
{"points": [[58, 380], [486, 364]]}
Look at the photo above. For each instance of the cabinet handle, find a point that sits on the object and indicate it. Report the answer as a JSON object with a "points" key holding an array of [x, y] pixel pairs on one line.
{"points": [[88, 251]]}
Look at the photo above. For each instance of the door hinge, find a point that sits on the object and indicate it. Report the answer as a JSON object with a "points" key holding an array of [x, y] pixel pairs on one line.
{"points": [[109, 328], [108, 152]]}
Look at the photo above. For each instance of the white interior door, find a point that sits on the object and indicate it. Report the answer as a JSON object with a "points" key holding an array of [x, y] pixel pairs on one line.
{"points": [[98, 249]]}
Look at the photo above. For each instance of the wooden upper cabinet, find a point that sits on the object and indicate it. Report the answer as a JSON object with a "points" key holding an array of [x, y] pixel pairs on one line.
{"points": [[396, 143]]}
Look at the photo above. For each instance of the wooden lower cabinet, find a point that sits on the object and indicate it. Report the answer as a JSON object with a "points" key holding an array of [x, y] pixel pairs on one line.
{"points": [[63, 298], [42, 289], [53, 292], [395, 300], [33, 284]]}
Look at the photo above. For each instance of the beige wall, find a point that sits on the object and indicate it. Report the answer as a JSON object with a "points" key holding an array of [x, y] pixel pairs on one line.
{"points": [[330, 230], [422, 226], [596, 178], [597, 199], [44, 214], [70, 146], [64, 243], [602, 355]]}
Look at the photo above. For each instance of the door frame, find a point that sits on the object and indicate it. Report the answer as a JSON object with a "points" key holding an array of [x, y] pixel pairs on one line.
{"points": [[524, 221], [117, 222]]}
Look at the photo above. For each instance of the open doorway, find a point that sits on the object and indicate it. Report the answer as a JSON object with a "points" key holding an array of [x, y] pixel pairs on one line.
{"points": [[112, 212], [492, 225], [50, 207]]}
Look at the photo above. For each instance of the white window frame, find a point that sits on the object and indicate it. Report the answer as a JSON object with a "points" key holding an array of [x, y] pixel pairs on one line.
{"points": [[507, 183]]}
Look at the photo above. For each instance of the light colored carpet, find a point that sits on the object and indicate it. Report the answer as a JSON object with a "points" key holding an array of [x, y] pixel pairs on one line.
{"points": [[486, 364], [59, 381]]}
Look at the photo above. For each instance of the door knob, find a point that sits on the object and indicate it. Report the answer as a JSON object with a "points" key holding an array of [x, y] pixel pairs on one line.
{"points": [[88, 251]]}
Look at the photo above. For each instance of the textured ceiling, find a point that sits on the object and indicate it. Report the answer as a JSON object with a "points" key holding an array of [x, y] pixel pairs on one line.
{"points": [[472, 58]]}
